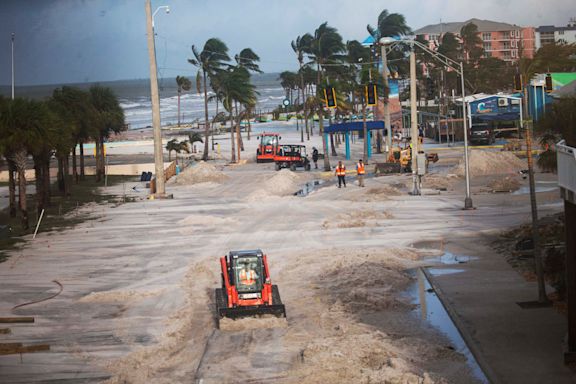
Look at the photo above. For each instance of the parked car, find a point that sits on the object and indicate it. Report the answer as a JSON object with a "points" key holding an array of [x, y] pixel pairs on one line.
{"points": [[481, 133]]}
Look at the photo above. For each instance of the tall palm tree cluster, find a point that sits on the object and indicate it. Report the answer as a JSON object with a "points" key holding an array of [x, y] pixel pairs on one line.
{"points": [[325, 60], [230, 86], [38, 130]]}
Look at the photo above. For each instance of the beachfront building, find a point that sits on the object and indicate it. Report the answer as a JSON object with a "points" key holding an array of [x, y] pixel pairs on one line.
{"points": [[549, 34], [504, 41]]}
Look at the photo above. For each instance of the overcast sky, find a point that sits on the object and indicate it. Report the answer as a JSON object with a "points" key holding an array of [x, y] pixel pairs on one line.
{"points": [[60, 41]]}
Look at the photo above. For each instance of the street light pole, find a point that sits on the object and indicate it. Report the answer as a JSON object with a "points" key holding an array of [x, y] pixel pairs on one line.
{"points": [[158, 150], [386, 99], [12, 65], [467, 199], [413, 122]]}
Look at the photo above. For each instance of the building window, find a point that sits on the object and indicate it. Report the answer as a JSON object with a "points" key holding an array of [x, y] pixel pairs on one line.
{"points": [[487, 46], [506, 55], [433, 37], [561, 32], [487, 54], [506, 35], [486, 36], [506, 45]]}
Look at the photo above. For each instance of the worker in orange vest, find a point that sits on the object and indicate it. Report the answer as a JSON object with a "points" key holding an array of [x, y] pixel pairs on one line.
{"points": [[247, 276], [360, 171], [341, 173]]}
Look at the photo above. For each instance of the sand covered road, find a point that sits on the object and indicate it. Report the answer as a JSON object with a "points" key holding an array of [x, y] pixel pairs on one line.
{"points": [[138, 279]]}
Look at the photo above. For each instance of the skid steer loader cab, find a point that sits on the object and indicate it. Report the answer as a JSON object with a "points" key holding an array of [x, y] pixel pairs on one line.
{"points": [[247, 289], [248, 272]]}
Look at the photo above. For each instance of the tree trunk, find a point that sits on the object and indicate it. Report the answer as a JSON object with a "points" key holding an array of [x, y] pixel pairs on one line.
{"points": [[102, 158], [74, 165], [66, 175], [232, 145], [39, 182], [178, 107], [12, 186], [97, 157], [46, 179], [333, 151], [60, 177], [206, 124], [19, 159], [82, 171]]}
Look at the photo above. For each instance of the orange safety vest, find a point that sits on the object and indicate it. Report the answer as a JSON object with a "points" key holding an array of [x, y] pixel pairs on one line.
{"points": [[247, 278], [360, 168], [341, 171]]}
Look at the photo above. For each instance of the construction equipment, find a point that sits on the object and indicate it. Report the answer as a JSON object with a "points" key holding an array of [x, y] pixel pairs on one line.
{"points": [[291, 156], [247, 290], [268, 147]]}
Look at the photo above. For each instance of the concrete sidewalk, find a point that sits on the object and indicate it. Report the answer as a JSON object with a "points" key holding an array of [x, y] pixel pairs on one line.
{"points": [[511, 344]]}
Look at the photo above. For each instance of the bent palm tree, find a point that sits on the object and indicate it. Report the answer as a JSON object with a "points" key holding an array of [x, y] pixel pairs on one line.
{"points": [[210, 61], [183, 84], [326, 47], [299, 46]]}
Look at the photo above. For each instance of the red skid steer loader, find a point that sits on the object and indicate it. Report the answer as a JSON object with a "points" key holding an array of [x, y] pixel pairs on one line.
{"points": [[247, 290]]}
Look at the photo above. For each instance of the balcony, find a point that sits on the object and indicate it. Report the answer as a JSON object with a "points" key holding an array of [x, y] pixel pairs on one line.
{"points": [[566, 156]]}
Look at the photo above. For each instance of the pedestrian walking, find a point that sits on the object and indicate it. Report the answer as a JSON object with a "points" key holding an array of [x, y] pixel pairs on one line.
{"points": [[360, 171], [341, 173], [315, 157]]}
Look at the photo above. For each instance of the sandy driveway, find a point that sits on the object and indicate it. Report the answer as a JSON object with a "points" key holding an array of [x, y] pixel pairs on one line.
{"points": [[138, 283]]}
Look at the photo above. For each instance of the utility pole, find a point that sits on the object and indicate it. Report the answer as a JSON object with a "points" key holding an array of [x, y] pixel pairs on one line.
{"points": [[386, 99], [467, 200], [414, 122], [542, 297], [158, 154], [12, 65]]}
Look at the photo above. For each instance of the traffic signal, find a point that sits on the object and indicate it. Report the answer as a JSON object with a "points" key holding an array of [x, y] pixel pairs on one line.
{"points": [[370, 94], [330, 97], [518, 82], [549, 83], [430, 88]]}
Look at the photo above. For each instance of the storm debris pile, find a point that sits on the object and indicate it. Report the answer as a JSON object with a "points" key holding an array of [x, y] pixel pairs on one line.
{"points": [[490, 163], [200, 173]]}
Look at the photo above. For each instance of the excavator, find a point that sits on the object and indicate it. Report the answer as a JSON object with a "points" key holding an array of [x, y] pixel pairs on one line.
{"points": [[247, 290]]}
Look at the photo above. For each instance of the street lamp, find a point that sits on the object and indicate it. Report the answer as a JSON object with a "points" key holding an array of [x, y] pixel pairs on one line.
{"points": [[166, 7], [458, 67], [155, 99]]}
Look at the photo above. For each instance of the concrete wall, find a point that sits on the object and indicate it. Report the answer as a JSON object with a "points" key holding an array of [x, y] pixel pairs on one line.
{"points": [[120, 169]]}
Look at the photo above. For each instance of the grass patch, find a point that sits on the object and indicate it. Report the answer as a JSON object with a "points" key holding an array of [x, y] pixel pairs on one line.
{"points": [[57, 217]]}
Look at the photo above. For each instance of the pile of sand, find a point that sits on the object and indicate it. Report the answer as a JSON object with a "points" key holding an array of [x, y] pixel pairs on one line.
{"points": [[504, 184], [357, 219], [283, 183], [200, 173], [437, 181], [490, 163]]}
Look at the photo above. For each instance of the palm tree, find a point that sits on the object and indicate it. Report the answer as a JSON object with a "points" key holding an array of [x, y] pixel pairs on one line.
{"points": [[326, 47], [471, 43], [178, 147], [234, 87], [299, 46], [183, 84], [21, 127], [248, 60], [389, 24], [210, 61], [109, 119]]}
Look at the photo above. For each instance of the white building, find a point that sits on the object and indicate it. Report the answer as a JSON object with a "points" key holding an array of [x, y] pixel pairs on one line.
{"points": [[549, 34]]}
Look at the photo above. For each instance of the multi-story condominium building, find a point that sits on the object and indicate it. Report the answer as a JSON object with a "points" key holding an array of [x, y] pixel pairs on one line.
{"points": [[504, 41], [549, 34]]}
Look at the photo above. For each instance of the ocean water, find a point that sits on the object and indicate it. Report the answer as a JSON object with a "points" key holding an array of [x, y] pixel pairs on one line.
{"points": [[134, 98]]}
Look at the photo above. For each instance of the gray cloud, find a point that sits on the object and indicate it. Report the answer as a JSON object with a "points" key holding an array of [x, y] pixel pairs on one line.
{"points": [[61, 41]]}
